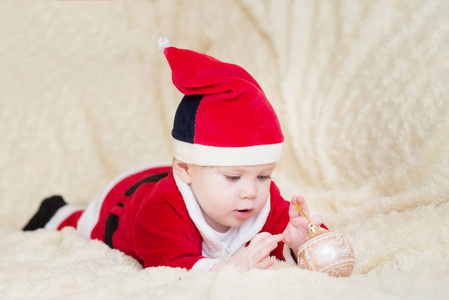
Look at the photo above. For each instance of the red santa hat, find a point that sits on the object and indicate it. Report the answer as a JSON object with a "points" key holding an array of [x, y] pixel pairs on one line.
{"points": [[224, 119]]}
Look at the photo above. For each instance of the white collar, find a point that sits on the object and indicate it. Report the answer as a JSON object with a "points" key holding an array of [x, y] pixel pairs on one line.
{"points": [[212, 245]]}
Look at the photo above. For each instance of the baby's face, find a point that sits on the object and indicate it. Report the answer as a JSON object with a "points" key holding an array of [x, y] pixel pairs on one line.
{"points": [[228, 196]]}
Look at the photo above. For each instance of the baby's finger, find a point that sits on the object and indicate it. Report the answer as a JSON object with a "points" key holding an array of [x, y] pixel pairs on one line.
{"points": [[293, 212], [299, 222], [263, 249], [300, 201], [277, 237], [269, 242], [262, 254], [265, 264], [265, 238], [259, 237]]}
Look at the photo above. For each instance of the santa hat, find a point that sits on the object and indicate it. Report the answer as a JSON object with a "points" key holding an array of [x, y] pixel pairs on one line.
{"points": [[224, 118]]}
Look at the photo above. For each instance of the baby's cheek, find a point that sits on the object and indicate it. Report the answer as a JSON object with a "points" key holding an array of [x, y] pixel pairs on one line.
{"points": [[224, 204], [262, 203]]}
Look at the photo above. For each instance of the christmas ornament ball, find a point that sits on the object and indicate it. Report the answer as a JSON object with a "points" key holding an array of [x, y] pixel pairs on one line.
{"points": [[328, 252]]}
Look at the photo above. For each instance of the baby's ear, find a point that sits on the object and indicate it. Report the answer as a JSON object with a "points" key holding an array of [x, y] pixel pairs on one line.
{"points": [[182, 169]]}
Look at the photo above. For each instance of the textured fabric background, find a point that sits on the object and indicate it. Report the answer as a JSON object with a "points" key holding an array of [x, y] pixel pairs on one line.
{"points": [[362, 92]]}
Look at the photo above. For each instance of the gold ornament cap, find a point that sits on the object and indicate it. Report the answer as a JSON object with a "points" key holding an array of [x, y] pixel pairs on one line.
{"points": [[312, 228]]}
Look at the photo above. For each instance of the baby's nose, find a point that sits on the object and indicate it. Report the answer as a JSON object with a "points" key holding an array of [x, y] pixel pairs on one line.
{"points": [[249, 192]]}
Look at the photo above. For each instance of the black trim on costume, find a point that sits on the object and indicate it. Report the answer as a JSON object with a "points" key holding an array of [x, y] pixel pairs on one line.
{"points": [[152, 178], [113, 220], [111, 227], [185, 117]]}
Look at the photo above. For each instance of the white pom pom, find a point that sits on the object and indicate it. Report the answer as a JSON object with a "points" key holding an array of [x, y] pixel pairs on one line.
{"points": [[163, 43]]}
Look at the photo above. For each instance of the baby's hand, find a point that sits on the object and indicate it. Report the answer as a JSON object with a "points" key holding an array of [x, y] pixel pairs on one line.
{"points": [[256, 253], [297, 229]]}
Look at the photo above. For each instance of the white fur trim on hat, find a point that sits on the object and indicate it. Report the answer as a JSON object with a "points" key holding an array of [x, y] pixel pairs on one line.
{"points": [[226, 156]]}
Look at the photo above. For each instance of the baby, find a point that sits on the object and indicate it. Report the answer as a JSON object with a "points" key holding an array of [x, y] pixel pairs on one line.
{"points": [[216, 204]]}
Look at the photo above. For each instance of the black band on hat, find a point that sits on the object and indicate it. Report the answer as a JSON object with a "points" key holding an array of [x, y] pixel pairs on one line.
{"points": [[184, 124]]}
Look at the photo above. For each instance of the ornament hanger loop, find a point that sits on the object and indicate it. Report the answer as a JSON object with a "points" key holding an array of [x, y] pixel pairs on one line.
{"points": [[312, 228]]}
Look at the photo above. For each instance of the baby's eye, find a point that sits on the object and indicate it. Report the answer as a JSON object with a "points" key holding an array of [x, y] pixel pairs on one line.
{"points": [[264, 177], [233, 177]]}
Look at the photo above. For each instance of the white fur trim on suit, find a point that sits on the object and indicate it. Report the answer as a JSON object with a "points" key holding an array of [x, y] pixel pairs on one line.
{"points": [[226, 156], [206, 264], [61, 215]]}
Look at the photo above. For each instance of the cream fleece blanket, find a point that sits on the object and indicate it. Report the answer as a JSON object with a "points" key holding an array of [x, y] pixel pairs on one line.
{"points": [[362, 93]]}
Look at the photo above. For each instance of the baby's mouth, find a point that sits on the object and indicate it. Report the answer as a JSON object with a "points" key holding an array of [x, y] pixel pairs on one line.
{"points": [[243, 214]]}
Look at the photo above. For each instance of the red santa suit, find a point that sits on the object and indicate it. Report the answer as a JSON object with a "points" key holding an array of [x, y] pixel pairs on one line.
{"points": [[224, 119], [151, 215]]}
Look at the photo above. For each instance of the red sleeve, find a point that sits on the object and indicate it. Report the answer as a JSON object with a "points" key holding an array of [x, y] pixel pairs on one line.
{"points": [[164, 234]]}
